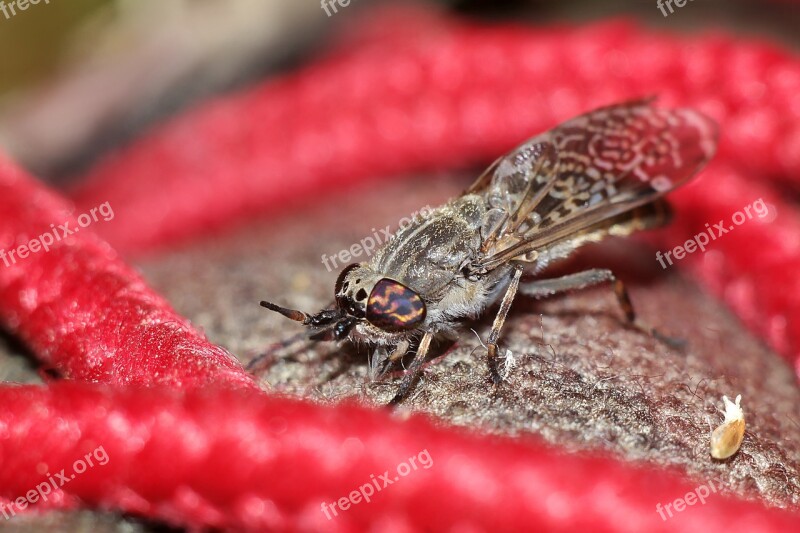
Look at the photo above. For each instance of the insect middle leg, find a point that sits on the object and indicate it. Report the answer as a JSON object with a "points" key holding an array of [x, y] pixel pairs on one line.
{"points": [[589, 278], [505, 305]]}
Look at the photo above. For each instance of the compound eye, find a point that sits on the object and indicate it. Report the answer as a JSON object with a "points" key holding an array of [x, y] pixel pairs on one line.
{"points": [[394, 307]]}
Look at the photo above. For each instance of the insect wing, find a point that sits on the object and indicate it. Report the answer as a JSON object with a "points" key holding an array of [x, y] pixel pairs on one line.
{"points": [[519, 182], [608, 161]]}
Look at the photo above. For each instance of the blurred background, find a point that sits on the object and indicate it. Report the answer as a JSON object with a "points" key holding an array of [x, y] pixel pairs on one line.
{"points": [[80, 77]]}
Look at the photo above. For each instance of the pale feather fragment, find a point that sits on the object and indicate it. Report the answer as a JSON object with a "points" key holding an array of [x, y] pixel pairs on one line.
{"points": [[727, 437]]}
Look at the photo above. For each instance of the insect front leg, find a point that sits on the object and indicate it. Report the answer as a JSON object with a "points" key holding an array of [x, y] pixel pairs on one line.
{"points": [[263, 360], [491, 356], [381, 361], [413, 370], [589, 278]]}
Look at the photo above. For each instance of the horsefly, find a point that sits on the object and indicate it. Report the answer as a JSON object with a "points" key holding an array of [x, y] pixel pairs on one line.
{"points": [[603, 173]]}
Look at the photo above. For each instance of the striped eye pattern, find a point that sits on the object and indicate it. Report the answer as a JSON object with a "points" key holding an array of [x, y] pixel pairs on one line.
{"points": [[394, 307]]}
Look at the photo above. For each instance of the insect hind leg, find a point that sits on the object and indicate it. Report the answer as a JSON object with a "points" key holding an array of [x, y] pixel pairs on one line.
{"points": [[589, 278]]}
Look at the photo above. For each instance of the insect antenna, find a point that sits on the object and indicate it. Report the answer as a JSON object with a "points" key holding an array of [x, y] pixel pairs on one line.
{"points": [[323, 319], [293, 314]]}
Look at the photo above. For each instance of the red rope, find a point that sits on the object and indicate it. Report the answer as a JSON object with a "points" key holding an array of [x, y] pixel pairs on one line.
{"points": [[82, 310], [434, 96], [429, 95], [240, 461]]}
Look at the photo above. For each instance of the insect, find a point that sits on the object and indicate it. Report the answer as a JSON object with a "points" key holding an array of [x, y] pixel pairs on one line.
{"points": [[603, 173], [727, 437]]}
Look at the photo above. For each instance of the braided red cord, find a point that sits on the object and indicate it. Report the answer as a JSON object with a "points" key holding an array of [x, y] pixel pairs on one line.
{"points": [[433, 96], [438, 96], [82, 310], [242, 461]]}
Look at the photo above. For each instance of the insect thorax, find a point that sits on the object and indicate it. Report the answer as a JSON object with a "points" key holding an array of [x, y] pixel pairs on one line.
{"points": [[427, 254]]}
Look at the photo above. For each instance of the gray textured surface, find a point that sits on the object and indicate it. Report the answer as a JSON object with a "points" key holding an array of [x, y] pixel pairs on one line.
{"points": [[581, 379], [76, 521]]}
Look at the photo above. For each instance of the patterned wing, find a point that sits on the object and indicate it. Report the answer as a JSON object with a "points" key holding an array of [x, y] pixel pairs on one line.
{"points": [[591, 168], [514, 186]]}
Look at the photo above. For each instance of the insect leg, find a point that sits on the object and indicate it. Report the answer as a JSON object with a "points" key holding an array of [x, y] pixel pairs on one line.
{"points": [[589, 278], [511, 291], [256, 363], [381, 364], [413, 370]]}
